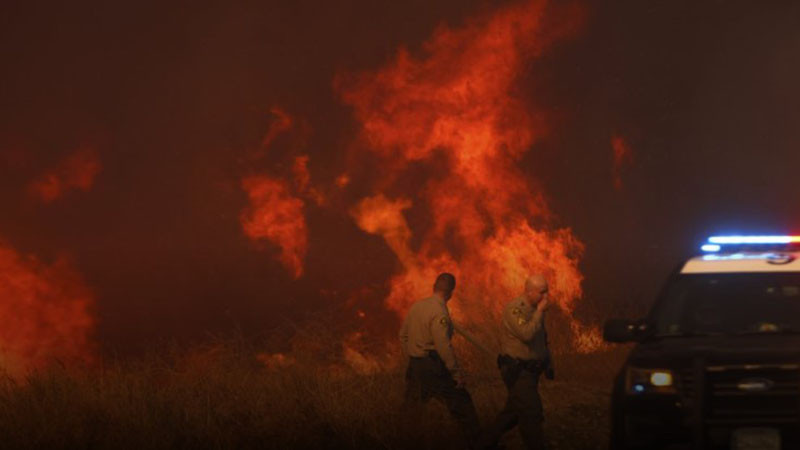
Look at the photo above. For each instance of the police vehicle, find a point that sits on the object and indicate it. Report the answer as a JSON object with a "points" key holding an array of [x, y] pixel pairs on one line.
{"points": [[716, 362]]}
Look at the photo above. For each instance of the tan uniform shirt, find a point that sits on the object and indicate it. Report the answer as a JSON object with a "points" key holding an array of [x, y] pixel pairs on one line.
{"points": [[428, 327], [523, 335]]}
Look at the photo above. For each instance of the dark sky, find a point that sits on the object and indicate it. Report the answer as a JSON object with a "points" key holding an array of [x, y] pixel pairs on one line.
{"points": [[705, 92]]}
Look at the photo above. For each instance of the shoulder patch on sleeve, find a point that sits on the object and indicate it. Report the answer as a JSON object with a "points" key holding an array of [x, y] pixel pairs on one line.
{"points": [[516, 311]]}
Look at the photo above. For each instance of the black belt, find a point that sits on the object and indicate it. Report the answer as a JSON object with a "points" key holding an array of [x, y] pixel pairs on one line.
{"points": [[525, 364], [429, 354]]}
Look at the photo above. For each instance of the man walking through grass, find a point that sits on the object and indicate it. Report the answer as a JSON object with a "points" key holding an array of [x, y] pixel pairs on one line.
{"points": [[524, 357], [433, 370]]}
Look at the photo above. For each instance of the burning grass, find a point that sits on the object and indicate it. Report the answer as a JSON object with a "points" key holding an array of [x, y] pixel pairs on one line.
{"points": [[222, 395]]}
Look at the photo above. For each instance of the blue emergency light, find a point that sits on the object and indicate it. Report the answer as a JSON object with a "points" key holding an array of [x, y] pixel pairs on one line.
{"points": [[716, 243]]}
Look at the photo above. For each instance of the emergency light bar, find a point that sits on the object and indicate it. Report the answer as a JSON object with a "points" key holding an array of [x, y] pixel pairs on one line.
{"points": [[754, 239], [716, 243]]}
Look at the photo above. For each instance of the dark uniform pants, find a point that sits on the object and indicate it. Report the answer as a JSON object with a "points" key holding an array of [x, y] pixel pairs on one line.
{"points": [[523, 407], [427, 378]]}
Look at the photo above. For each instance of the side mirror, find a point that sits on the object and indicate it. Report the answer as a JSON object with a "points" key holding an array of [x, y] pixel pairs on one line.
{"points": [[623, 330]]}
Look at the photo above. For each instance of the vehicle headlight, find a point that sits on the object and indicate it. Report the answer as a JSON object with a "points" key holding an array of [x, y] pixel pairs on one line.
{"points": [[649, 381]]}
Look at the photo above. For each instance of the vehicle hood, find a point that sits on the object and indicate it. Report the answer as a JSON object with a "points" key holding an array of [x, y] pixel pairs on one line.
{"points": [[717, 350]]}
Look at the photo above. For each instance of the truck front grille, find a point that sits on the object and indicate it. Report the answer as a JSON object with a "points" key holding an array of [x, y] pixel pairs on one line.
{"points": [[748, 393]]}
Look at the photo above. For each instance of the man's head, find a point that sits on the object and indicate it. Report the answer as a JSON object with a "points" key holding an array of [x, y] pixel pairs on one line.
{"points": [[535, 288], [444, 285]]}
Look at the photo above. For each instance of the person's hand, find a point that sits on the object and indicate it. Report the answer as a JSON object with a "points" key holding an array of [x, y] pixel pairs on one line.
{"points": [[543, 304]]}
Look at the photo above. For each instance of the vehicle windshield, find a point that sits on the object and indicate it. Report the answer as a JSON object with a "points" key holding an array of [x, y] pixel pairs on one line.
{"points": [[733, 303]]}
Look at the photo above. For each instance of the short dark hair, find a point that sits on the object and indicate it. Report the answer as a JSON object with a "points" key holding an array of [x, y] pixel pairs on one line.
{"points": [[445, 282]]}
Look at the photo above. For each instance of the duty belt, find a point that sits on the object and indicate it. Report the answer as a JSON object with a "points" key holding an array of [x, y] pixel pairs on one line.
{"points": [[532, 365], [429, 354]]}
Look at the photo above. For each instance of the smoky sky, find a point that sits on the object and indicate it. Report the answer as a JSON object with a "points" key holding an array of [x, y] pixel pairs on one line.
{"points": [[174, 96]]}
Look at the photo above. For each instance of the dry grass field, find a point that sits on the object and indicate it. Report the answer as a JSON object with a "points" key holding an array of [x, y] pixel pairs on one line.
{"points": [[222, 396]]}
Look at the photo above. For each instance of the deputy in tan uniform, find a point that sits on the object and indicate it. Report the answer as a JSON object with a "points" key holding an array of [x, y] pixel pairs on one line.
{"points": [[433, 370], [524, 357]]}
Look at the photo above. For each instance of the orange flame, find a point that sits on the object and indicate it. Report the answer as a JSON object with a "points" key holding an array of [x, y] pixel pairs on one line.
{"points": [[277, 216], [378, 215], [77, 171], [454, 111], [46, 313]]}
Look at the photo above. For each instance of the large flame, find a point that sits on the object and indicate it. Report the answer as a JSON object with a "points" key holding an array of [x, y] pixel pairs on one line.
{"points": [[77, 171], [45, 310], [441, 141], [455, 111]]}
